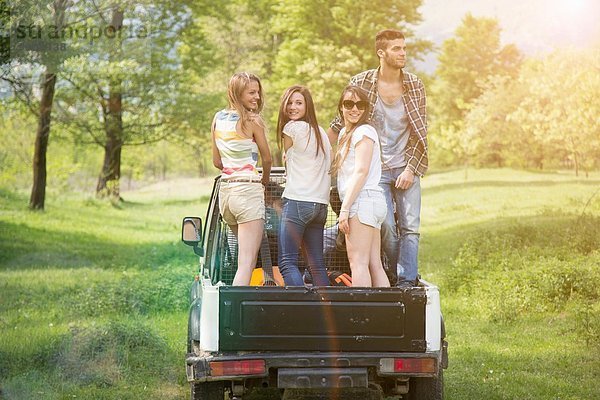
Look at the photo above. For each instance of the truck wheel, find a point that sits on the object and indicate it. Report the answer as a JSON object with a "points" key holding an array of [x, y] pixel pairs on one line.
{"points": [[208, 391], [427, 388]]}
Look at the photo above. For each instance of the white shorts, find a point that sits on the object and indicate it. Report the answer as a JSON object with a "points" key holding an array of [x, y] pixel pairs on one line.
{"points": [[370, 207]]}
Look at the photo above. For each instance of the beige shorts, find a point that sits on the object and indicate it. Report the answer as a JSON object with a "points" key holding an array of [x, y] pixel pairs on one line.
{"points": [[370, 207], [241, 202]]}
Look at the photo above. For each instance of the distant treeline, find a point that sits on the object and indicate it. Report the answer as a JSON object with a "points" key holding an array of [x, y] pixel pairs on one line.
{"points": [[102, 113]]}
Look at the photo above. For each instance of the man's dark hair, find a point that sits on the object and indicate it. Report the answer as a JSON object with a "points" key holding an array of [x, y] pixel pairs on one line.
{"points": [[383, 37]]}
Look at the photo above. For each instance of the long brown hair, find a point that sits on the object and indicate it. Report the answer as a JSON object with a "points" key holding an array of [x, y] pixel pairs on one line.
{"points": [[310, 116], [344, 142], [237, 84]]}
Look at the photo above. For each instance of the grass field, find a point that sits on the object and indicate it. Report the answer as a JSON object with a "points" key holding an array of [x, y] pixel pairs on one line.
{"points": [[93, 297]]}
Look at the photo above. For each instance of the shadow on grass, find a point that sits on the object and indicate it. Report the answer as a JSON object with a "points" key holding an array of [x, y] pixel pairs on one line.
{"points": [[23, 247]]}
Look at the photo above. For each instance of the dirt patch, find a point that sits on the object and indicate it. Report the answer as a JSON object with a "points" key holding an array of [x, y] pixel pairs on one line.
{"points": [[173, 189]]}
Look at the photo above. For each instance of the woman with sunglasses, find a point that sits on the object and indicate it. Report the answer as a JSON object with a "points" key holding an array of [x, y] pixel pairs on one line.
{"points": [[306, 194], [357, 163]]}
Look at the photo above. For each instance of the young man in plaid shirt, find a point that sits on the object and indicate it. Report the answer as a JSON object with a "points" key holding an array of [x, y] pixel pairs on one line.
{"points": [[399, 114]]}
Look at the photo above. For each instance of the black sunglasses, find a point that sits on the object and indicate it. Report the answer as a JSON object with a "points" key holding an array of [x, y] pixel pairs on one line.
{"points": [[349, 105]]}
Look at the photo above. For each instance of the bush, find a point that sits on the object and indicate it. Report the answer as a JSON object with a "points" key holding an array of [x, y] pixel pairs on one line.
{"points": [[100, 355], [532, 268]]}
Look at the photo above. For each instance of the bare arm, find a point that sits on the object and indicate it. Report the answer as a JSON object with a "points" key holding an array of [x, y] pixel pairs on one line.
{"points": [[258, 131], [363, 154], [287, 142], [333, 137], [217, 162]]}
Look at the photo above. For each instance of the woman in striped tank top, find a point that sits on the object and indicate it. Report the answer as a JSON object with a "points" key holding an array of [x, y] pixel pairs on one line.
{"points": [[238, 134]]}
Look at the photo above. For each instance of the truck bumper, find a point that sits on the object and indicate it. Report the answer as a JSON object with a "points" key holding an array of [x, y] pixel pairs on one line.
{"points": [[313, 370]]}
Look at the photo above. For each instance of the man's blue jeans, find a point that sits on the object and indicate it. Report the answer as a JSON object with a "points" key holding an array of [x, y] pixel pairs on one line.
{"points": [[400, 230], [302, 224]]}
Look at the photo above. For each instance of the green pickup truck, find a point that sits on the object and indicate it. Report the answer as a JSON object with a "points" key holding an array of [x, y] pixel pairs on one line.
{"points": [[319, 341]]}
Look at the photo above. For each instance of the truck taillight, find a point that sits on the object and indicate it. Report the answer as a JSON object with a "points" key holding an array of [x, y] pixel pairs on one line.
{"points": [[408, 365], [230, 368]]}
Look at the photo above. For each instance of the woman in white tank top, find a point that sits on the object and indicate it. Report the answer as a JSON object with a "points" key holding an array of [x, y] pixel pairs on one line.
{"points": [[306, 195], [358, 166]]}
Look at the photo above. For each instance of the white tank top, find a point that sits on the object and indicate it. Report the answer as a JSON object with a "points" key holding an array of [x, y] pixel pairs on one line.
{"points": [[308, 177], [347, 168]]}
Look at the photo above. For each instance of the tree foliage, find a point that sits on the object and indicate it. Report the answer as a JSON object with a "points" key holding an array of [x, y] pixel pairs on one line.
{"points": [[36, 26], [320, 44], [121, 91], [324, 43], [561, 110], [491, 138], [467, 62], [546, 116], [156, 94]]}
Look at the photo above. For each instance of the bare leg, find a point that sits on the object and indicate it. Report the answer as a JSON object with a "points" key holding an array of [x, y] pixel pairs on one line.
{"points": [[378, 275], [249, 235], [358, 245]]}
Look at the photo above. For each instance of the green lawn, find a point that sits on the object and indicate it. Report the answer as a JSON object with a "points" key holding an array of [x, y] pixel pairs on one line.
{"points": [[93, 297]]}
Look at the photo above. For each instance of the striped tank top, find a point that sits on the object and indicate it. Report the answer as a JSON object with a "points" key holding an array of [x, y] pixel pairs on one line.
{"points": [[239, 154]]}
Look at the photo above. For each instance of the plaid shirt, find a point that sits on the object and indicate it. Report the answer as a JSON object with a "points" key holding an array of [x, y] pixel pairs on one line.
{"points": [[415, 103]]}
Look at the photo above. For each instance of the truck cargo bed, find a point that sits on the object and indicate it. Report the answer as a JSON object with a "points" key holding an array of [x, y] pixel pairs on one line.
{"points": [[332, 319]]}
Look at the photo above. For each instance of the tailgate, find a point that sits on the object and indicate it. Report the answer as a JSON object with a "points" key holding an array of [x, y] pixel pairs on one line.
{"points": [[321, 319]]}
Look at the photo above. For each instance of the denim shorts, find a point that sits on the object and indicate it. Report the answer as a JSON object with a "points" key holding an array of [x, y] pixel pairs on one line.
{"points": [[241, 202], [370, 207]]}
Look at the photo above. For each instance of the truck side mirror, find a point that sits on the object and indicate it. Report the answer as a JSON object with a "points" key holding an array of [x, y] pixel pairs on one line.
{"points": [[191, 233]]}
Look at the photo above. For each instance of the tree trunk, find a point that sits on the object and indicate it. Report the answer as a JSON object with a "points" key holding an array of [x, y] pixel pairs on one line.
{"points": [[38, 189], [574, 154], [108, 181]]}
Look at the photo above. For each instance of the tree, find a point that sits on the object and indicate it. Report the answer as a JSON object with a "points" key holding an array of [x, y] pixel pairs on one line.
{"points": [[215, 47], [560, 109], [491, 136], [324, 43], [17, 141], [466, 63], [320, 44], [31, 49], [544, 116], [122, 90]]}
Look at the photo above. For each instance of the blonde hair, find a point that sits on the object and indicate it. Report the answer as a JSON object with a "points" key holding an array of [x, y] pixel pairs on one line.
{"points": [[344, 143], [310, 115], [237, 84]]}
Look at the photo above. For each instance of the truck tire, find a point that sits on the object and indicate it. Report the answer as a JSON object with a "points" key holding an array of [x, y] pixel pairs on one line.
{"points": [[208, 391], [427, 388]]}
